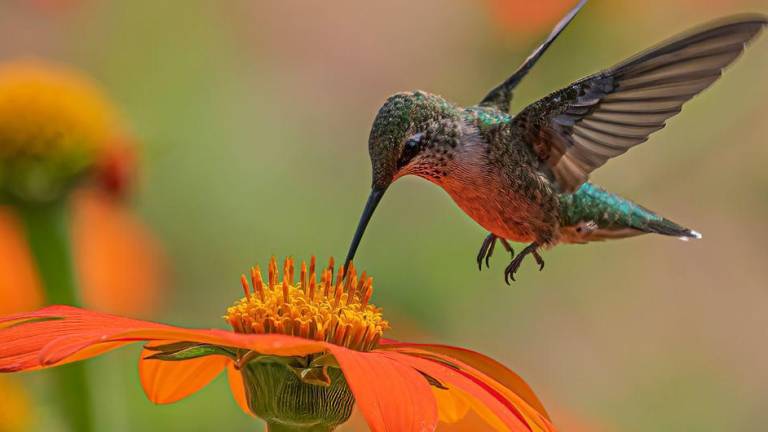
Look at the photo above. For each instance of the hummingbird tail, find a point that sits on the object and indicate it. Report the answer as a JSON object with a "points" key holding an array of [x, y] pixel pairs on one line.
{"points": [[594, 214], [669, 228]]}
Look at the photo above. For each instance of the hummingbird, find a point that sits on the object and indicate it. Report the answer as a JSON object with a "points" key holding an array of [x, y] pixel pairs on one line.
{"points": [[524, 177]]}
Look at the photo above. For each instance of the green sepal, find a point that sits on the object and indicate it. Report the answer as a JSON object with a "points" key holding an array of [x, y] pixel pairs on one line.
{"points": [[296, 397], [324, 360], [315, 376], [186, 351]]}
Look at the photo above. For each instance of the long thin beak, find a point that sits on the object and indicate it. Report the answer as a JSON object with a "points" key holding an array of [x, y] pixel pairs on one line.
{"points": [[370, 206]]}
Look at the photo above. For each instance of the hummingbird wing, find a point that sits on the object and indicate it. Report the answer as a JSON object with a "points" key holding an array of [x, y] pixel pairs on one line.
{"points": [[577, 129], [501, 96]]}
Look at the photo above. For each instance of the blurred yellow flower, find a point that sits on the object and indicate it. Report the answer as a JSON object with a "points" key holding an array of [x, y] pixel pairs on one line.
{"points": [[55, 126]]}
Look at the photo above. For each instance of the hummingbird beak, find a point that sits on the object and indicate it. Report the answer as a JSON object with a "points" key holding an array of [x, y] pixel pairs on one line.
{"points": [[370, 206]]}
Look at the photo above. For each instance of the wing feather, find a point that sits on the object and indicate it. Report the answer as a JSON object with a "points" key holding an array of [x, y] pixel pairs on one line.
{"points": [[579, 128]]}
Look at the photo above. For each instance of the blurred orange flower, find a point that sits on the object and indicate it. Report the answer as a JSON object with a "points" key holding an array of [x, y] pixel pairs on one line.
{"points": [[120, 265], [300, 354], [528, 16]]}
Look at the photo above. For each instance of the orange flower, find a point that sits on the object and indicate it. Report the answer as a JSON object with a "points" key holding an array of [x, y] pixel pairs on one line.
{"points": [[121, 267], [300, 356]]}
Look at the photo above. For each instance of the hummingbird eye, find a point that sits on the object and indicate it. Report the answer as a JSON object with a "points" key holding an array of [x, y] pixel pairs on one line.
{"points": [[410, 149]]}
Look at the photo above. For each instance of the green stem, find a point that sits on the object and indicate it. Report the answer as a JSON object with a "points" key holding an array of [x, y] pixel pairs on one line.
{"points": [[47, 233], [282, 427]]}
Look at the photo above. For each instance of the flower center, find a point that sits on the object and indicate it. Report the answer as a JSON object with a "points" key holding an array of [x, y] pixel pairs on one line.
{"points": [[313, 308]]}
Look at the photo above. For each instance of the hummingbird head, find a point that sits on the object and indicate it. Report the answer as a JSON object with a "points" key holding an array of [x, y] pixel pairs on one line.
{"points": [[413, 133]]}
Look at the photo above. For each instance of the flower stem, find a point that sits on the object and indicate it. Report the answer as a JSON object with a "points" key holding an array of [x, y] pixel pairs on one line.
{"points": [[48, 239], [282, 427]]}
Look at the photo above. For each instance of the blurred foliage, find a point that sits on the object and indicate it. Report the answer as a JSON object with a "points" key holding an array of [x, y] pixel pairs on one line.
{"points": [[255, 118]]}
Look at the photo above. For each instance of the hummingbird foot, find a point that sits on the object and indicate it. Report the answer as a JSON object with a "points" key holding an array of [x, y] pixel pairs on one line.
{"points": [[532, 249], [486, 250]]}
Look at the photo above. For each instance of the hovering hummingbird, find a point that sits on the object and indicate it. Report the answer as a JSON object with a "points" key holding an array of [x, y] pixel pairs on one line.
{"points": [[524, 177]]}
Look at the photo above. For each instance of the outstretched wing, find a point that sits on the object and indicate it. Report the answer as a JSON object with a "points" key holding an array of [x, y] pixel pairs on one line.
{"points": [[501, 95], [577, 129]]}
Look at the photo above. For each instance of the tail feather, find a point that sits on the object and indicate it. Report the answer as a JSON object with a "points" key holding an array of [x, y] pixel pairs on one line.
{"points": [[669, 228], [593, 214]]}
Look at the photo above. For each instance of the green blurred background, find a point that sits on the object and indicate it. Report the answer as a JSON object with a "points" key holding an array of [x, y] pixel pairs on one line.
{"points": [[254, 119]]}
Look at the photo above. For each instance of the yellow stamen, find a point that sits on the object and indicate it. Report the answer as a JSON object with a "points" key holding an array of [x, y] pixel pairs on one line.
{"points": [[244, 283], [257, 281], [339, 312], [312, 285], [286, 291], [272, 273], [327, 276]]}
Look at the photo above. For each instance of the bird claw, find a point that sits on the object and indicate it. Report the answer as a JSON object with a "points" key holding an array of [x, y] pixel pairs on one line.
{"points": [[490, 253], [539, 259], [487, 248], [509, 272]]}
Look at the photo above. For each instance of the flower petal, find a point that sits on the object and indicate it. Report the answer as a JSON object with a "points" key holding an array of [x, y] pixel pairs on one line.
{"points": [[477, 417], [491, 404], [106, 236], [391, 395], [536, 420], [237, 387], [473, 421], [56, 334], [170, 381], [19, 289], [452, 406], [484, 364]]}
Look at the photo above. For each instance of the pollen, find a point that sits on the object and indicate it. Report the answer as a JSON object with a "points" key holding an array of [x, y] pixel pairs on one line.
{"points": [[316, 306]]}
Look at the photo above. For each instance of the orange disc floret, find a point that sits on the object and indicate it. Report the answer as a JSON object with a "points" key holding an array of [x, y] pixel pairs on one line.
{"points": [[314, 307], [55, 125]]}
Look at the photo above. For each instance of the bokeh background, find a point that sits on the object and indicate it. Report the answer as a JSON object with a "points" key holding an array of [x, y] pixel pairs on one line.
{"points": [[254, 117]]}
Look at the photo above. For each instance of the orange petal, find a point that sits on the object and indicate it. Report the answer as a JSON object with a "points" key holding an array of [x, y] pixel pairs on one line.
{"points": [[486, 365], [57, 333], [170, 381], [535, 419], [20, 288], [237, 388], [478, 416], [474, 420], [391, 395], [121, 267], [452, 406], [483, 398]]}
